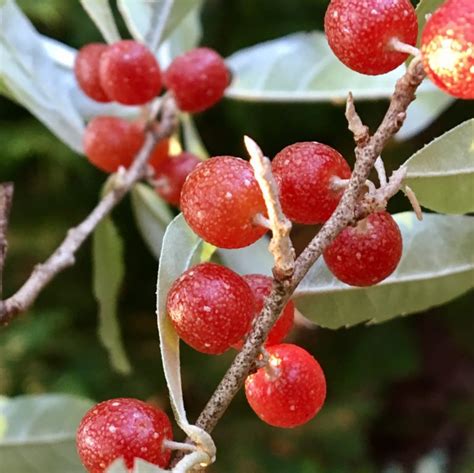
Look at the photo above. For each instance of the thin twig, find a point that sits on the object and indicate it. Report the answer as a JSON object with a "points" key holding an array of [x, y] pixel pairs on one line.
{"points": [[6, 199], [359, 130], [280, 244], [344, 215], [63, 256]]}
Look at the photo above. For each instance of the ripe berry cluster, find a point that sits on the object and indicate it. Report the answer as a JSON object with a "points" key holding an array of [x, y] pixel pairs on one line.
{"points": [[127, 72], [367, 37]]}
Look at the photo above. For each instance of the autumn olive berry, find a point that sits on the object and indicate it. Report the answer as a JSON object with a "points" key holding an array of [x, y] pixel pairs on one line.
{"points": [[211, 307], [367, 253], [123, 428]]}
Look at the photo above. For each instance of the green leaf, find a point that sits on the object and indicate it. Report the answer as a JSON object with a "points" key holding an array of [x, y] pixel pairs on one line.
{"points": [[183, 38], [191, 138], [253, 259], [152, 215], [101, 14], [152, 22], [302, 68], [442, 173], [425, 7], [40, 434], [437, 265], [34, 80], [107, 250]]}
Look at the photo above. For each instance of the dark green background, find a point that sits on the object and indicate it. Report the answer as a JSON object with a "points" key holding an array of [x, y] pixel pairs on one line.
{"points": [[395, 392]]}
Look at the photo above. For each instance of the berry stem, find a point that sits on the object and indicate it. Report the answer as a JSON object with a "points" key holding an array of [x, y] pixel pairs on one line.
{"points": [[381, 173], [280, 244], [263, 221], [64, 255], [401, 47], [411, 196], [185, 447]]}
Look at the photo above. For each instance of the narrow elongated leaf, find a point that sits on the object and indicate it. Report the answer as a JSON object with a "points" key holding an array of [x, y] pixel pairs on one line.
{"points": [[437, 265], [442, 173], [152, 22], [192, 139], [40, 434], [102, 16], [302, 68], [107, 258], [34, 80], [181, 249], [152, 216]]}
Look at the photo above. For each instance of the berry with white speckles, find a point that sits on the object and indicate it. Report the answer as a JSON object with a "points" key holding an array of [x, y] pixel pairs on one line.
{"points": [[171, 175], [160, 154], [261, 287], [220, 200], [447, 47], [130, 73], [288, 392], [126, 428], [111, 142], [360, 33], [366, 254], [305, 173], [198, 79], [86, 70], [211, 307]]}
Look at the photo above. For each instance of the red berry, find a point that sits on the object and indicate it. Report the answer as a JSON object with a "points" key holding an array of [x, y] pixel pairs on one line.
{"points": [[130, 73], [366, 254], [198, 79], [305, 173], [261, 287], [211, 307], [220, 200], [288, 392], [160, 154], [126, 428], [86, 70], [447, 47], [360, 32], [111, 142], [172, 173]]}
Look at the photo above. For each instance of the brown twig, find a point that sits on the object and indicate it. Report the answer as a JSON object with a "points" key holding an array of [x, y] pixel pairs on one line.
{"points": [[6, 199], [280, 245], [367, 151], [63, 256]]}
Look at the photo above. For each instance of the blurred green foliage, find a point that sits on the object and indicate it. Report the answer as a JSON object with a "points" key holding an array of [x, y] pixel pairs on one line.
{"points": [[396, 392]]}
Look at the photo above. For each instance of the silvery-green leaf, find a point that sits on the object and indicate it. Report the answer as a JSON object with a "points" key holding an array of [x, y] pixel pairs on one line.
{"points": [[442, 173], [40, 433], [153, 21], [437, 266], [253, 259], [191, 137], [34, 80], [183, 38], [152, 215], [181, 249], [108, 273], [102, 16]]}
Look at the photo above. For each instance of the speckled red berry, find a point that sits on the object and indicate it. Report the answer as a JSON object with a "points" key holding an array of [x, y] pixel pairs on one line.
{"points": [[111, 142], [198, 79], [360, 32], [129, 73], [220, 200], [288, 392], [447, 47], [211, 307], [366, 254], [172, 173], [86, 70], [160, 154], [305, 173], [261, 287], [123, 428]]}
